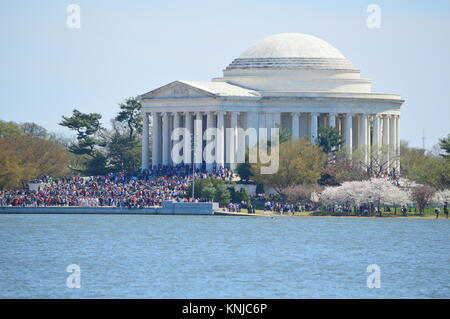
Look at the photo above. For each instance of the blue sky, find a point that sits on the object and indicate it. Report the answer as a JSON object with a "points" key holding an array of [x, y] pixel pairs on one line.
{"points": [[125, 48]]}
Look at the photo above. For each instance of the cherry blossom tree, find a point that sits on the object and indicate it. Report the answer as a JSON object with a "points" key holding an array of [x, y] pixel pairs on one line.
{"points": [[441, 197], [422, 195], [377, 191]]}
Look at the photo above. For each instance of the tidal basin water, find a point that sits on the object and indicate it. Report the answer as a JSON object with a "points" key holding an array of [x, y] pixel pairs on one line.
{"points": [[222, 257]]}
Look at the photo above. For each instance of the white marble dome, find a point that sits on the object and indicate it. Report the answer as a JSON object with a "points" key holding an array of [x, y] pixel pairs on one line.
{"points": [[291, 45], [292, 51]]}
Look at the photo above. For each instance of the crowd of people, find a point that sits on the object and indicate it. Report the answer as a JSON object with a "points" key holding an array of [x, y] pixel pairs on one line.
{"points": [[286, 208], [141, 189], [144, 188]]}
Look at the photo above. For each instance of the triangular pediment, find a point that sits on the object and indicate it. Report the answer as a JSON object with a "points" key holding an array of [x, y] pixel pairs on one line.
{"points": [[177, 90]]}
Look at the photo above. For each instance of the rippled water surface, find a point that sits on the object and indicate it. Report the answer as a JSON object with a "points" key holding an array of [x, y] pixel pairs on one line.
{"points": [[222, 257]]}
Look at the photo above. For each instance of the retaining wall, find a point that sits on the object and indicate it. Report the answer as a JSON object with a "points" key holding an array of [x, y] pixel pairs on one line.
{"points": [[167, 208]]}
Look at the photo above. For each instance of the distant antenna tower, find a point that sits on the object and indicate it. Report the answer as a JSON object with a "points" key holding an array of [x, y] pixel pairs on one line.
{"points": [[423, 139]]}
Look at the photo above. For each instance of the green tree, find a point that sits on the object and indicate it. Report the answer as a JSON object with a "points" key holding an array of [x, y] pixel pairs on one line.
{"points": [[329, 139], [89, 140], [433, 171], [427, 168], [300, 162], [88, 127], [8, 129], [244, 195], [208, 191], [26, 157], [410, 157], [124, 153], [222, 195], [10, 171], [211, 189], [124, 143], [444, 144], [97, 165], [244, 171], [35, 130], [130, 113]]}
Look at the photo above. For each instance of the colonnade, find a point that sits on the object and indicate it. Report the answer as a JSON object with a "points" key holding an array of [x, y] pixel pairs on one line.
{"points": [[359, 130]]}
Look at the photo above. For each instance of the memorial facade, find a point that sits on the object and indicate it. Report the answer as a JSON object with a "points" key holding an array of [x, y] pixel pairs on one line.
{"points": [[290, 80]]}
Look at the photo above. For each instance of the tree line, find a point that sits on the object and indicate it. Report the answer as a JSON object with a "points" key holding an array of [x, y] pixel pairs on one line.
{"points": [[29, 151]]}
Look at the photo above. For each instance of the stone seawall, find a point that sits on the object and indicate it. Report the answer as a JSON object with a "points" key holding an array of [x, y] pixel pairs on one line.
{"points": [[167, 208]]}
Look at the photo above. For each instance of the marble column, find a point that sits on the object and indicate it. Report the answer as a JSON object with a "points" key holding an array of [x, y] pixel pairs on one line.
{"points": [[363, 136], [332, 120], [233, 140], [165, 139], [145, 138], [386, 137], [348, 132], [210, 125], [398, 143], [339, 124], [240, 148], [295, 125], [220, 140], [314, 127], [198, 139], [176, 120], [155, 138], [393, 141], [174, 126], [376, 131], [187, 149], [253, 122]]}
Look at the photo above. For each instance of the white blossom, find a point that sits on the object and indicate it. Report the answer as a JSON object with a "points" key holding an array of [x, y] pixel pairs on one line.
{"points": [[441, 197], [377, 191]]}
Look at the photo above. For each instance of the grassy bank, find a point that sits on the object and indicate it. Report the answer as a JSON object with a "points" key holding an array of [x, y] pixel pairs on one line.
{"points": [[429, 214]]}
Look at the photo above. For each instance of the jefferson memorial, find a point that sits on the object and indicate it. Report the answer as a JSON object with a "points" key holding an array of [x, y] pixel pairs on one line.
{"points": [[289, 80]]}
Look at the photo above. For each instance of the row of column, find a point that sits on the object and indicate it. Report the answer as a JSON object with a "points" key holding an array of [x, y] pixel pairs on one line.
{"points": [[193, 122], [386, 128], [385, 131], [374, 130]]}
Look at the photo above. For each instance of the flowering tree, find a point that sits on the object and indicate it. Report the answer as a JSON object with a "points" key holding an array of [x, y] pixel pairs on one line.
{"points": [[298, 193], [330, 195], [441, 197], [422, 195], [377, 191], [348, 192]]}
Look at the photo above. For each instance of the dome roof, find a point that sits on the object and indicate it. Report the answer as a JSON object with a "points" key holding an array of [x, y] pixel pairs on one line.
{"points": [[291, 45], [292, 51]]}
